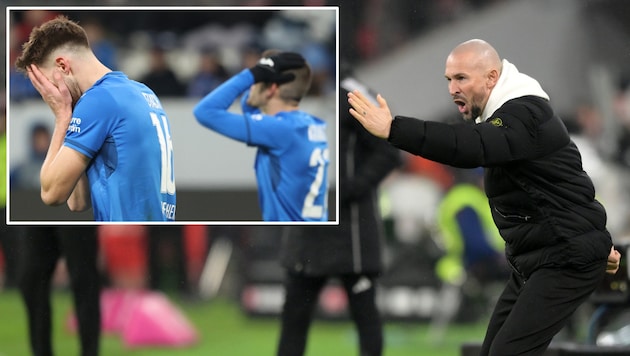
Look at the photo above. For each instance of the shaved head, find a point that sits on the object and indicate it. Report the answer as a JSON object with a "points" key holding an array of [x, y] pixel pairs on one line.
{"points": [[472, 69], [479, 53]]}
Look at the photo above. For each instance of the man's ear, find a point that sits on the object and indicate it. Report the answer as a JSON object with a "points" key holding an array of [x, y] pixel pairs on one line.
{"points": [[63, 64], [493, 78], [272, 89]]}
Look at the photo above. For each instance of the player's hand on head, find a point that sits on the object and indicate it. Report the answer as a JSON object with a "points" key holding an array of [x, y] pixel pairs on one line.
{"points": [[270, 69], [54, 92], [288, 60]]}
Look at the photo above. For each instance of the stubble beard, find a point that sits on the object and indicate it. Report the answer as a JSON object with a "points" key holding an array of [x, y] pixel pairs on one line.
{"points": [[475, 111]]}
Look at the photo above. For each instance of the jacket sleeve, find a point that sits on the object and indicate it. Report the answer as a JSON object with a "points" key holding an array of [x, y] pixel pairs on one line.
{"points": [[518, 130], [212, 111]]}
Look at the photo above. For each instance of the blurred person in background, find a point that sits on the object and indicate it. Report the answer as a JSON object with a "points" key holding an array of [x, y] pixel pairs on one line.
{"points": [[99, 115], [608, 176], [26, 174], [292, 157], [472, 241], [8, 238], [541, 199], [473, 262], [351, 252], [621, 106], [39, 249], [102, 47], [161, 78], [210, 75]]}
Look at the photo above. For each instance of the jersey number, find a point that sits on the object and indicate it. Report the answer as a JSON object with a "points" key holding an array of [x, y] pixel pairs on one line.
{"points": [[319, 158], [167, 181]]}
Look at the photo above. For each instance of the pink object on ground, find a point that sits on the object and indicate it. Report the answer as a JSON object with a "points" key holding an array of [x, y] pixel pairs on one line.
{"points": [[154, 321], [142, 318], [116, 308]]}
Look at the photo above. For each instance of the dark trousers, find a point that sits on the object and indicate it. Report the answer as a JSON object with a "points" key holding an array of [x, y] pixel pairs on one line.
{"points": [[529, 313], [8, 242], [301, 299], [40, 249], [167, 259]]}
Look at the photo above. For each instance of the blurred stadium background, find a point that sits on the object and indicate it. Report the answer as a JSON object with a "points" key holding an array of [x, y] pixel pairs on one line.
{"points": [[225, 279]]}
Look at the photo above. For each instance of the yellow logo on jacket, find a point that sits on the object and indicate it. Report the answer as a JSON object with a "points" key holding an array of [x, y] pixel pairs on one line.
{"points": [[497, 122]]}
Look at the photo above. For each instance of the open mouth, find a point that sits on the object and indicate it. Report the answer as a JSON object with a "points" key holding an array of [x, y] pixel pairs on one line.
{"points": [[461, 105]]}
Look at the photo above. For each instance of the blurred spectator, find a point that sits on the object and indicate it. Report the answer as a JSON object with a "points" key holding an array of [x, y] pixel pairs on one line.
{"points": [[8, 239], [41, 247], [622, 112], [102, 47], [20, 87], [167, 260], [211, 73], [160, 77], [250, 56], [26, 174], [437, 172], [323, 67], [606, 173], [471, 240], [350, 252], [474, 258], [309, 32]]}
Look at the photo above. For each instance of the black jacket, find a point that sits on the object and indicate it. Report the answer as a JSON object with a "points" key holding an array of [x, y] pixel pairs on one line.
{"points": [[354, 246], [541, 199]]}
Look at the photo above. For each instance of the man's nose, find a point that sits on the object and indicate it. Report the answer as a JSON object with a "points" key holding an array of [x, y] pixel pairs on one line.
{"points": [[453, 88]]}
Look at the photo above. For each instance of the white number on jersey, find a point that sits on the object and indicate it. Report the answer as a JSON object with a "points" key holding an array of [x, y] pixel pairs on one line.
{"points": [[167, 180], [319, 159]]}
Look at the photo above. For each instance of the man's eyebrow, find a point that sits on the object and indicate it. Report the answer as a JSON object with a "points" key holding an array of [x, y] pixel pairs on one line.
{"points": [[459, 74]]}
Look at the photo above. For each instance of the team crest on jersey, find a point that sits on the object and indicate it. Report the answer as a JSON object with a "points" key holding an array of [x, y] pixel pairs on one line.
{"points": [[257, 117], [497, 122]]}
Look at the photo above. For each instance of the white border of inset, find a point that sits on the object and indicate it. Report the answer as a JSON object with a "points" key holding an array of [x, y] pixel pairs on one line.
{"points": [[163, 8]]}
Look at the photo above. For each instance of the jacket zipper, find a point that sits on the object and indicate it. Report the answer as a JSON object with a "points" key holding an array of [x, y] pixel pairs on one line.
{"points": [[512, 216], [354, 209], [516, 271]]}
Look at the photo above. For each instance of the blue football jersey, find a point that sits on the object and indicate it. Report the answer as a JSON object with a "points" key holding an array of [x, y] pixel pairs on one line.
{"points": [[121, 126], [292, 158]]}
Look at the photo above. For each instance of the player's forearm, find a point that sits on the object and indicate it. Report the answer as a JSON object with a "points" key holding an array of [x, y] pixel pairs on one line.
{"points": [[212, 111], [220, 99], [52, 192], [80, 199]]}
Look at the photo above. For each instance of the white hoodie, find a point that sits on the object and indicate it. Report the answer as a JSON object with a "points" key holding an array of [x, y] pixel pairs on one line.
{"points": [[512, 84]]}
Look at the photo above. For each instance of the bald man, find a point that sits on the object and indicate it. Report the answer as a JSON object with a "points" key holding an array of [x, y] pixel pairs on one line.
{"points": [[541, 199]]}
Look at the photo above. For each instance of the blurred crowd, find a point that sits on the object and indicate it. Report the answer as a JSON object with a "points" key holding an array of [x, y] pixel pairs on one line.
{"points": [[189, 53]]}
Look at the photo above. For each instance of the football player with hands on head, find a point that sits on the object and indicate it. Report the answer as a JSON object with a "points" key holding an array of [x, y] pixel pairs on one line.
{"points": [[292, 148], [111, 147]]}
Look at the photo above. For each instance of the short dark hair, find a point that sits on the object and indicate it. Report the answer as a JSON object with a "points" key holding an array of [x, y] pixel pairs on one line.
{"points": [[296, 89], [48, 37]]}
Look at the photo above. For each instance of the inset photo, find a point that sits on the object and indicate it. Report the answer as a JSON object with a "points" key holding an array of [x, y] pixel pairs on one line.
{"points": [[161, 115]]}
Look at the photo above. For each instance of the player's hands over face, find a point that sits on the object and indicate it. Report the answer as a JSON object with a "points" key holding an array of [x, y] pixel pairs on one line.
{"points": [[377, 120], [55, 93], [614, 258]]}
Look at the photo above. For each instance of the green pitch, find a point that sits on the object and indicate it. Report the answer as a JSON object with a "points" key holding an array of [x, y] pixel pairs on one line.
{"points": [[226, 331]]}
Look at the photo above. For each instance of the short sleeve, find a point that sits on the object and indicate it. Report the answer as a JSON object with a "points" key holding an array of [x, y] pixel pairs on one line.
{"points": [[90, 124]]}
